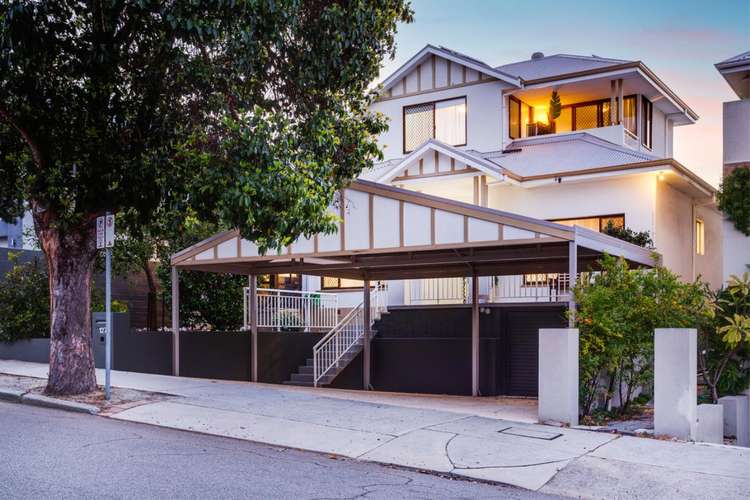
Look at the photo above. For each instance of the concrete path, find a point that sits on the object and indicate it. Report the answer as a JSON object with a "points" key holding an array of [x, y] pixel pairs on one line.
{"points": [[449, 438]]}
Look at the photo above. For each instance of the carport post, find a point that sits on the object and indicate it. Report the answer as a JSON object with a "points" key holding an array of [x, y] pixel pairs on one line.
{"points": [[253, 286], [474, 335], [572, 279], [175, 322], [366, 336]]}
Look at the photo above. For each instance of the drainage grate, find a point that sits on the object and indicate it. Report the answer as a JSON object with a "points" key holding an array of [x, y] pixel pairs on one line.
{"points": [[530, 433]]}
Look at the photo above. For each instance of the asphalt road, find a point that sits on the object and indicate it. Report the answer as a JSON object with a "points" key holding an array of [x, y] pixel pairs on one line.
{"points": [[53, 454]]}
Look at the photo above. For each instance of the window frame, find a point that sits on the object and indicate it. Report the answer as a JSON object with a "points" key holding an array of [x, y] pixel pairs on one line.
{"points": [[646, 103], [700, 236], [601, 218], [323, 286], [520, 103], [434, 122], [600, 111]]}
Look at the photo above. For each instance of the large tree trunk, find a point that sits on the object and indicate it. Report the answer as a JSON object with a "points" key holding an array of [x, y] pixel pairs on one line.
{"points": [[70, 262]]}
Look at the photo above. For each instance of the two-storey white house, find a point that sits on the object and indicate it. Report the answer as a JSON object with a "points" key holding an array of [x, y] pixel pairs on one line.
{"points": [[464, 130], [486, 208]]}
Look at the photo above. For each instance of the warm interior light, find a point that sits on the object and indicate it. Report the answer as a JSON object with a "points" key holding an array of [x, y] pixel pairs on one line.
{"points": [[661, 176], [540, 114]]}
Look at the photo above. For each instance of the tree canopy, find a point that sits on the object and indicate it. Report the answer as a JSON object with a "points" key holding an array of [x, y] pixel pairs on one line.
{"points": [[251, 113]]}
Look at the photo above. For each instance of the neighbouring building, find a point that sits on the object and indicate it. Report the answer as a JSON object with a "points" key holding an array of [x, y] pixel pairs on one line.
{"points": [[736, 133]]}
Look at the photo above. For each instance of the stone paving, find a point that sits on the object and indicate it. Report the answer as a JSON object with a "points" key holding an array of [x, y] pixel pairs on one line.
{"points": [[425, 435]]}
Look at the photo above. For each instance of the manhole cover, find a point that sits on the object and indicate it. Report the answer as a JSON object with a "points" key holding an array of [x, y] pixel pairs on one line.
{"points": [[531, 433]]}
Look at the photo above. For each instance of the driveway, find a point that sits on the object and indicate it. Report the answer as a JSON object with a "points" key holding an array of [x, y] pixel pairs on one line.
{"points": [[446, 439]]}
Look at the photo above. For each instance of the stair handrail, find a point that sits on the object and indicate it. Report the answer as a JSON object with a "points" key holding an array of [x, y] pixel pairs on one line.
{"points": [[377, 305]]}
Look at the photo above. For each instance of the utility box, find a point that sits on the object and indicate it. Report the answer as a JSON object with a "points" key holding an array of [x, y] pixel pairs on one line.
{"points": [[120, 327]]}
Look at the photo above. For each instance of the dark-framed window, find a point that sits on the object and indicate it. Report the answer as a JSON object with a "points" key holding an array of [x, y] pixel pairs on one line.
{"points": [[595, 114], [329, 283], [280, 281], [647, 123], [514, 118], [444, 120], [594, 222]]}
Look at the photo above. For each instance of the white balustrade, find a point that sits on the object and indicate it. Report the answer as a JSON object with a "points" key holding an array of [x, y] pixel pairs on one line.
{"points": [[293, 310]]}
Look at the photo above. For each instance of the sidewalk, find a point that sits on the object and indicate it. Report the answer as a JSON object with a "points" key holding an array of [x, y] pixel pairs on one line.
{"points": [[445, 434]]}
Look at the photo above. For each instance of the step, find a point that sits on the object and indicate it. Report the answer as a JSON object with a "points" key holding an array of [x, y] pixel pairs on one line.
{"points": [[302, 377], [300, 384], [305, 369]]}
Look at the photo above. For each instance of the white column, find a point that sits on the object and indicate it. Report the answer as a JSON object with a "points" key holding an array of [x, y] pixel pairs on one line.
{"points": [[474, 335], [558, 375], [675, 382], [175, 322], [366, 335], [572, 274], [620, 110], [253, 286]]}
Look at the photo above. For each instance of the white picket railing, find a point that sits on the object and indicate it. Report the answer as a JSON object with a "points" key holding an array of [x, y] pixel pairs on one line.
{"points": [[329, 351], [543, 287], [293, 310], [550, 287]]}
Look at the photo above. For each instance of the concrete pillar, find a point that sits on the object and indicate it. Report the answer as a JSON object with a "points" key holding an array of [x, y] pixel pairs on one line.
{"points": [[675, 382], [710, 424], [366, 370], [475, 335], [737, 418], [558, 375], [175, 322], [253, 286]]}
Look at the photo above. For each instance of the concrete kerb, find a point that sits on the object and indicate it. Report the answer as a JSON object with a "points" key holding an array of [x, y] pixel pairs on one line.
{"points": [[10, 394], [59, 404], [13, 395]]}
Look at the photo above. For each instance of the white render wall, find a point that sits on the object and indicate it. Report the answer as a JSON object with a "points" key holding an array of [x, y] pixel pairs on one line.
{"points": [[483, 116], [737, 131], [632, 195]]}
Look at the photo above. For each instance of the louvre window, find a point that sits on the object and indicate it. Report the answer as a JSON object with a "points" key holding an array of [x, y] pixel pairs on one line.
{"points": [[339, 283], [441, 120]]}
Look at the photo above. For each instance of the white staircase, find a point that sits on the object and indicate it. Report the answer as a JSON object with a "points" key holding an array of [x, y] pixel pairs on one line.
{"points": [[342, 344]]}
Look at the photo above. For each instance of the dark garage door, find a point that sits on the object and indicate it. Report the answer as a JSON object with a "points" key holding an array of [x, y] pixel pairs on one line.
{"points": [[519, 349]]}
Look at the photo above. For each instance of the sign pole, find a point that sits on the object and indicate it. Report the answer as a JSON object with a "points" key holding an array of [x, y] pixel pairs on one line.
{"points": [[108, 314]]}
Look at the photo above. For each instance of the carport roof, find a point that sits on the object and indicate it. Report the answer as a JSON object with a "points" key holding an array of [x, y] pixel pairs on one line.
{"points": [[391, 233]]}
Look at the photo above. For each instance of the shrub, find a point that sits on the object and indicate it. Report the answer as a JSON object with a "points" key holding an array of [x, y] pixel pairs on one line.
{"points": [[724, 354], [640, 238], [617, 312], [734, 199], [24, 301]]}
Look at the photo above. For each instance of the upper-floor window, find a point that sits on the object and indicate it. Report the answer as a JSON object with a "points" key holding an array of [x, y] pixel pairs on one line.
{"points": [[442, 120], [595, 114], [596, 223], [647, 124], [520, 116]]}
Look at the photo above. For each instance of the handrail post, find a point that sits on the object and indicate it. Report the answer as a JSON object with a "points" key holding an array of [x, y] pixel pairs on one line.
{"points": [[366, 335], [253, 292]]}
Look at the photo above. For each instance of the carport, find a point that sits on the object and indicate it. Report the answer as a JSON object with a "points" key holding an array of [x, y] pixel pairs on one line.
{"points": [[387, 233]]}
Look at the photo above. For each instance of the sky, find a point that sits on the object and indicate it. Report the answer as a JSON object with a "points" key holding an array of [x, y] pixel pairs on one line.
{"points": [[679, 40]]}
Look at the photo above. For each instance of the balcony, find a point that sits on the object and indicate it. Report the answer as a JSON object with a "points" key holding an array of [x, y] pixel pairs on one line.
{"points": [[525, 288]]}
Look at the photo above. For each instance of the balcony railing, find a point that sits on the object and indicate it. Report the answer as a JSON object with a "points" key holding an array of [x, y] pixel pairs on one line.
{"points": [[291, 310], [524, 288]]}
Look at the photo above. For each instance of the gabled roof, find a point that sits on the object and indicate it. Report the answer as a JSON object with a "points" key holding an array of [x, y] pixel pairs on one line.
{"points": [[453, 56], [471, 159], [390, 233], [737, 60], [555, 154], [736, 71], [557, 64]]}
